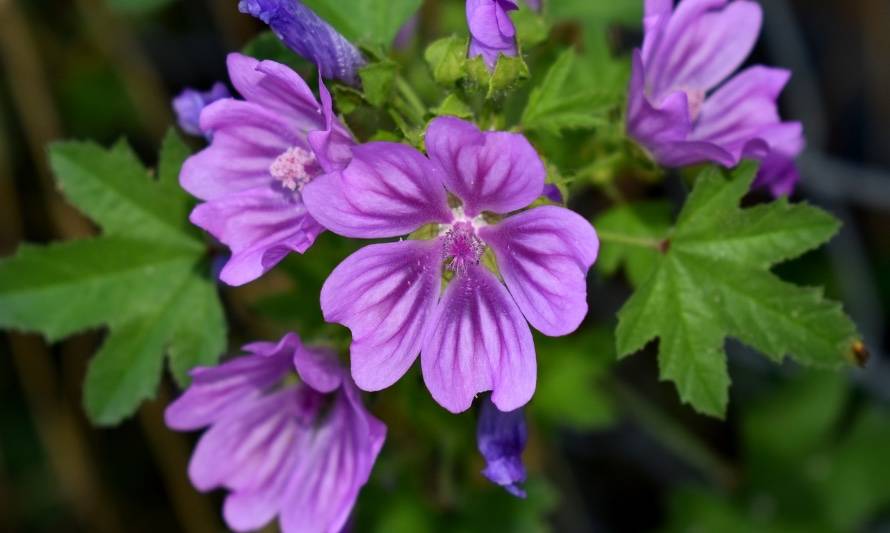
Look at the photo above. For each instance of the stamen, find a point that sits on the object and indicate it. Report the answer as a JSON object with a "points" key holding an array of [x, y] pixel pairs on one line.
{"points": [[294, 168], [462, 247]]}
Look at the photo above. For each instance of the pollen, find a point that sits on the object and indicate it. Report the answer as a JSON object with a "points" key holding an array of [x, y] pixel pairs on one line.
{"points": [[462, 247], [294, 168]]}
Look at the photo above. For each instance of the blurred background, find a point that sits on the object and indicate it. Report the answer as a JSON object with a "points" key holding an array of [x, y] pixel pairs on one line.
{"points": [[611, 448]]}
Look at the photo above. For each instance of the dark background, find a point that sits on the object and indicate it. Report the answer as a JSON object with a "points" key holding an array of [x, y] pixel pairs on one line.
{"points": [[103, 70]]}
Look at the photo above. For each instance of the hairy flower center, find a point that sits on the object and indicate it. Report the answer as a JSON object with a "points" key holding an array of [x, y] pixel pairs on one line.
{"points": [[462, 247], [294, 168]]}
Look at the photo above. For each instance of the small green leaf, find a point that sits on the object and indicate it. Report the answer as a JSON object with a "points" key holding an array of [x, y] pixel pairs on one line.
{"points": [[145, 278], [452, 105], [531, 28], [447, 59], [378, 80], [373, 22], [508, 73], [630, 235], [560, 102], [712, 281]]}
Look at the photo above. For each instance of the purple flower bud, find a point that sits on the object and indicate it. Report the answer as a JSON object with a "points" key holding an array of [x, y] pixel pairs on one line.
{"points": [[501, 438], [492, 33], [307, 34], [553, 193], [189, 104]]}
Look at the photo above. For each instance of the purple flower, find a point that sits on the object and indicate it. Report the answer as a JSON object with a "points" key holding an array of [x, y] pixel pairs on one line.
{"points": [[683, 109], [189, 104], [501, 438], [475, 337], [265, 149], [297, 450], [304, 32], [492, 33]]}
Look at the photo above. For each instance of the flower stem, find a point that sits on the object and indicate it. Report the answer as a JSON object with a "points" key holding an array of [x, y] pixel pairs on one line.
{"points": [[673, 436], [414, 103]]}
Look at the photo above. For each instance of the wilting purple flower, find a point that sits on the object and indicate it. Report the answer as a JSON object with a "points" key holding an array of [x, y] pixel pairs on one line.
{"points": [[189, 104], [681, 109], [265, 149], [297, 450], [304, 32], [475, 337], [492, 33], [501, 438]]}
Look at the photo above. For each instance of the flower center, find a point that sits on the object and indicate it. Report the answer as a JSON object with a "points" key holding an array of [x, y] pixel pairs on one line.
{"points": [[294, 168], [309, 404], [462, 247]]}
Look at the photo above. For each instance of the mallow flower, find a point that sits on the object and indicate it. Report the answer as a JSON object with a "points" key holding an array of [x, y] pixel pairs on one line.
{"points": [[288, 436], [264, 150], [190, 102], [473, 336], [492, 33], [501, 439], [304, 32], [682, 108]]}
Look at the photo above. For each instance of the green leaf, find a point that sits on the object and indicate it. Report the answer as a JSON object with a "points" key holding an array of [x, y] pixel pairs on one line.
{"points": [[145, 278], [447, 59], [374, 22], [508, 73], [561, 103], [713, 281], [452, 105], [631, 235], [531, 28], [378, 80]]}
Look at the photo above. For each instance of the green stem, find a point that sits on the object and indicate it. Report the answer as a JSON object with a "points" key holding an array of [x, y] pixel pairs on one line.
{"points": [[630, 240], [673, 435], [414, 103]]}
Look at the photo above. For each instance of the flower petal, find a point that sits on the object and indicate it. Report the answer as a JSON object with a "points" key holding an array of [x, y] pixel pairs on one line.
{"points": [[490, 171], [387, 190], [246, 140], [318, 368], [738, 110], [216, 391], [333, 145], [277, 88], [385, 294], [261, 226], [650, 126], [244, 450], [544, 255], [334, 466], [480, 341], [704, 42], [778, 171]]}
